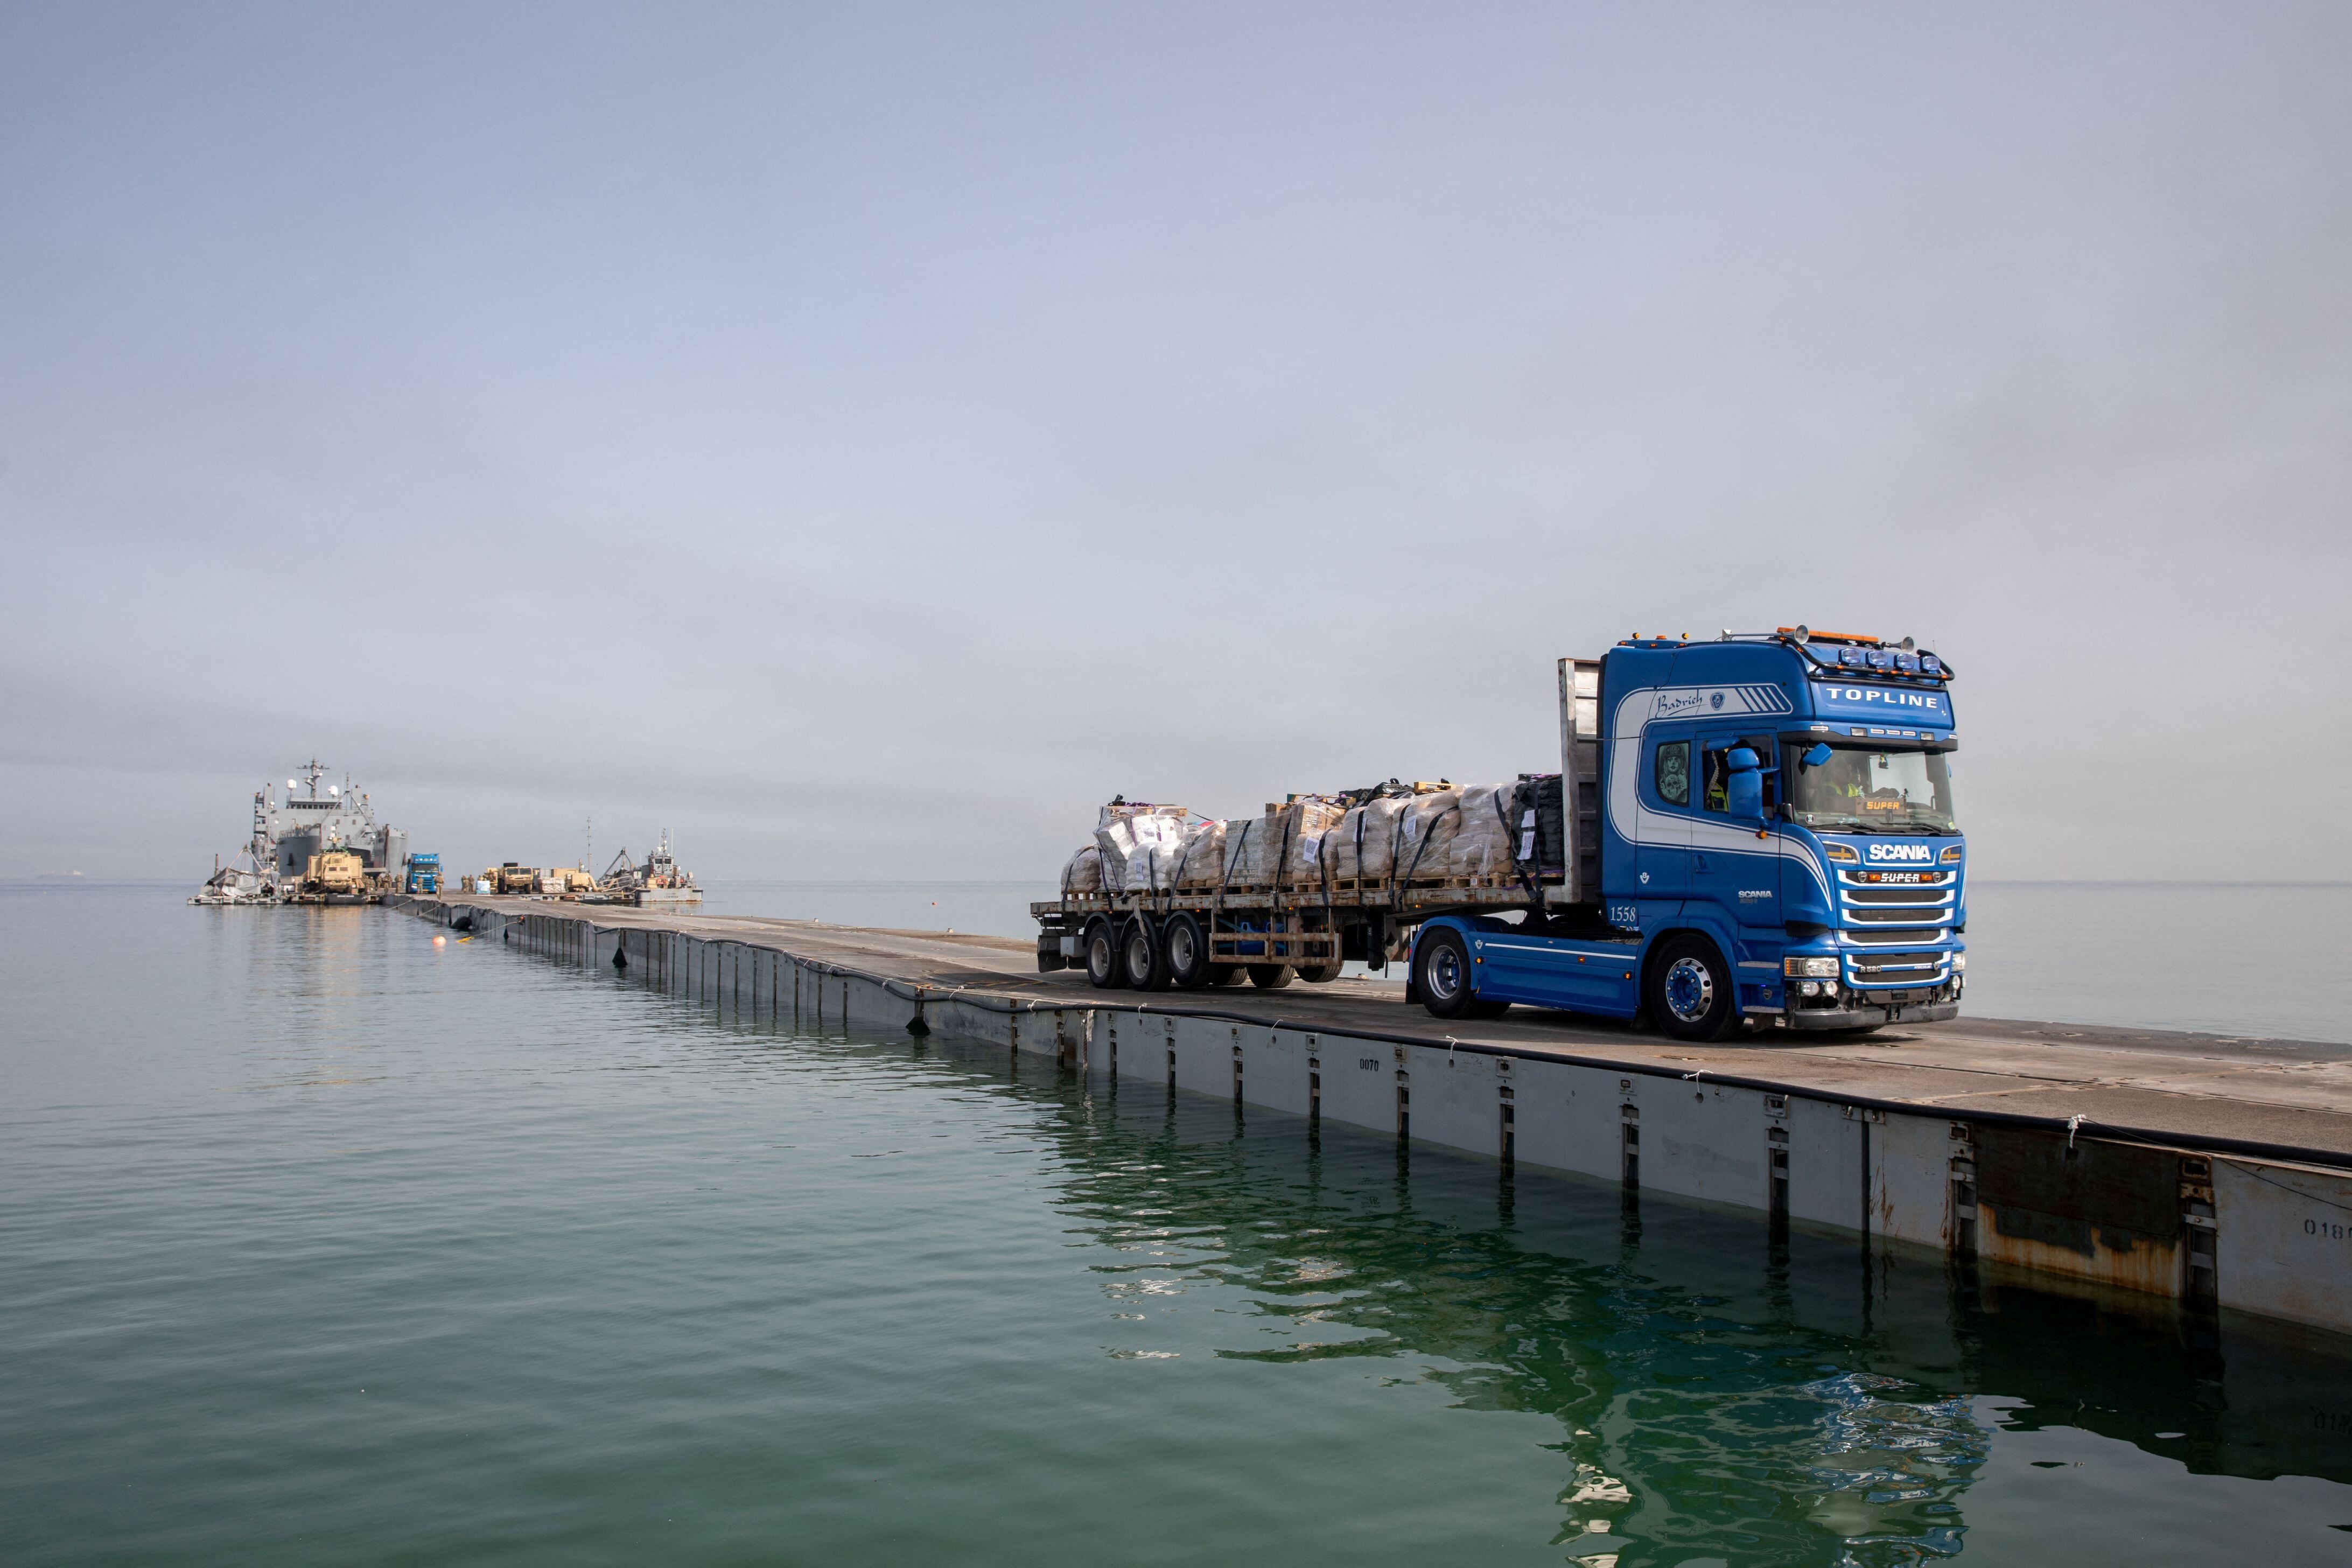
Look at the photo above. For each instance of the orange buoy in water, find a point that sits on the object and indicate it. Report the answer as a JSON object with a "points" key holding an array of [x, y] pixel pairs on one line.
{"points": [[440, 941]]}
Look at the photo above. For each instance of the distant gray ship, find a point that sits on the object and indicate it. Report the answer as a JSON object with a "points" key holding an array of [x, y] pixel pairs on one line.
{"points": [[287, 832], [660, 879]]}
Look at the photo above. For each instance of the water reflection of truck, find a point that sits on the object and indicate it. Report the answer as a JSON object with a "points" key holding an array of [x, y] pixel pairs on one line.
{"points": [[1758, 831]]}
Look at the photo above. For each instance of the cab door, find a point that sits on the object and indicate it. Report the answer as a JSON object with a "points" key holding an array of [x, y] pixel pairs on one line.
{"points": [[1731, 868], [1669, 790]]}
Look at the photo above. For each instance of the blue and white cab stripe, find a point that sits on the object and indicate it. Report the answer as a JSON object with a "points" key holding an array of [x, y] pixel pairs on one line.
{"points": [[1633, 820]]}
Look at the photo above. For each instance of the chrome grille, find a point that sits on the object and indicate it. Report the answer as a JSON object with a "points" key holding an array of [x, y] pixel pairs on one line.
{"points": [[1926, 895], [1907, 934], [1895, 968]]}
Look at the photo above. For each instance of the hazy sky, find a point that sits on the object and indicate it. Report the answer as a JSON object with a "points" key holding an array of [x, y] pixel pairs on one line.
{"points": [[864, 438]]}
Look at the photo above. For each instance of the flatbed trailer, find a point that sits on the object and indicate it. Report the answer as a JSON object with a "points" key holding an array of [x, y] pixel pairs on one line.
{"points": [[1306, 929], [1258, 932]]}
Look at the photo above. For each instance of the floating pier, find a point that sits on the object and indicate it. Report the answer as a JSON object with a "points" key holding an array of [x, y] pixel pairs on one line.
{"points": [[2211, 1172]]}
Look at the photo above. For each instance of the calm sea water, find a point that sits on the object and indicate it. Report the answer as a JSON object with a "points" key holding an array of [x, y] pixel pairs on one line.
{"points": [[321, 1244]]}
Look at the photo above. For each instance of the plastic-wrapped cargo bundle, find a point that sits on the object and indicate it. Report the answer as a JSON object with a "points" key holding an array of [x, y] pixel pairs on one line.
{"points": [[1304, 819], [1140, 845], [1249, 853], [1269, 849], [1424, 837], [1083, 874], [1483, 843], [1200, 863], [1361, 846]]}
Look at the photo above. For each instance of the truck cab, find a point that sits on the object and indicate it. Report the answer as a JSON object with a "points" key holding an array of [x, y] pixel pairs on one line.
{"points": [[1767, 840]]}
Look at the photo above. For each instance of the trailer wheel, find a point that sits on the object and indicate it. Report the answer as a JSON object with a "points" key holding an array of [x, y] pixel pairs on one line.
{"points": [[1271, 976], [1104, 971], [1226, 975], [1690, 992], [1321, 975], [1146, 961], [1441, 973], [1187, 946]]}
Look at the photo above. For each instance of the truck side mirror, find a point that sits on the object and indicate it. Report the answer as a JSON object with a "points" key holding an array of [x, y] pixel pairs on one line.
{"points": [[1743, 792], [1814, 758], [1741, 760]]}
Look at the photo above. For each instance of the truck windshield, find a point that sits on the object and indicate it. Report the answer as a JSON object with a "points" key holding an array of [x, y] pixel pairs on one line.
{"points": [[1864, 791]]}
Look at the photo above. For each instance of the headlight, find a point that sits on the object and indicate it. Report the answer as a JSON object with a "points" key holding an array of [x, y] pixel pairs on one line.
{"points": [[1839, 852], [1809, 968], [1951, 854]]}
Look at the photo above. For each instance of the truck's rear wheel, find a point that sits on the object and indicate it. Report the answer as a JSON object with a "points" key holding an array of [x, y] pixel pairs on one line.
{"points": [[1319, 974], [1188, 951], [1441, 973], [1146, 963], [1226, 975], [1690, 990], [1271, 976], [1104, 971]]}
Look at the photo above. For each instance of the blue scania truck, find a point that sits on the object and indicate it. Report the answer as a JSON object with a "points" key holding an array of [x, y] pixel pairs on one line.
{"points": [[1754, 832], [1761, 835]]}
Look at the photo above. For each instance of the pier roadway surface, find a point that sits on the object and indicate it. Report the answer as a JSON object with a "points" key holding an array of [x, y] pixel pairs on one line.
{"points": [[2292, 1095]]}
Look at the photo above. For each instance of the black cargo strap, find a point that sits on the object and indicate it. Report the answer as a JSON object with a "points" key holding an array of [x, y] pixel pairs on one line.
{"points": [[1282, 860], [1233, 853], [1422, 849], [1178, 874]]}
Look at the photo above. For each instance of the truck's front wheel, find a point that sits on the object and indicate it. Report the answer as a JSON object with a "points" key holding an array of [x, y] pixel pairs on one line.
{"points": [[1690, 990]]}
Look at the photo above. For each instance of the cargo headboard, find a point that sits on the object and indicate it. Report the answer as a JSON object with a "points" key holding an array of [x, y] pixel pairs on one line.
{"points": [[1580, 781]]}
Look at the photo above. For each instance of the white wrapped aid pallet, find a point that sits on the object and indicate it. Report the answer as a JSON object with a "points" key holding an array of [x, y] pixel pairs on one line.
{"points": [[1200, 864], [1307, 870], [1083, 874], [1304, 820], [1361, 848], [1249, 853], [1424, 836], [1260, 853], [1482, 843], [1140, 848]]}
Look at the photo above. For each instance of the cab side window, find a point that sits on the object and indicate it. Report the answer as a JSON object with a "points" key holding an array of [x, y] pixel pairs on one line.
{"points": [[1716, 766], [1670, 772], [1767, 753], [1715, 771]]}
